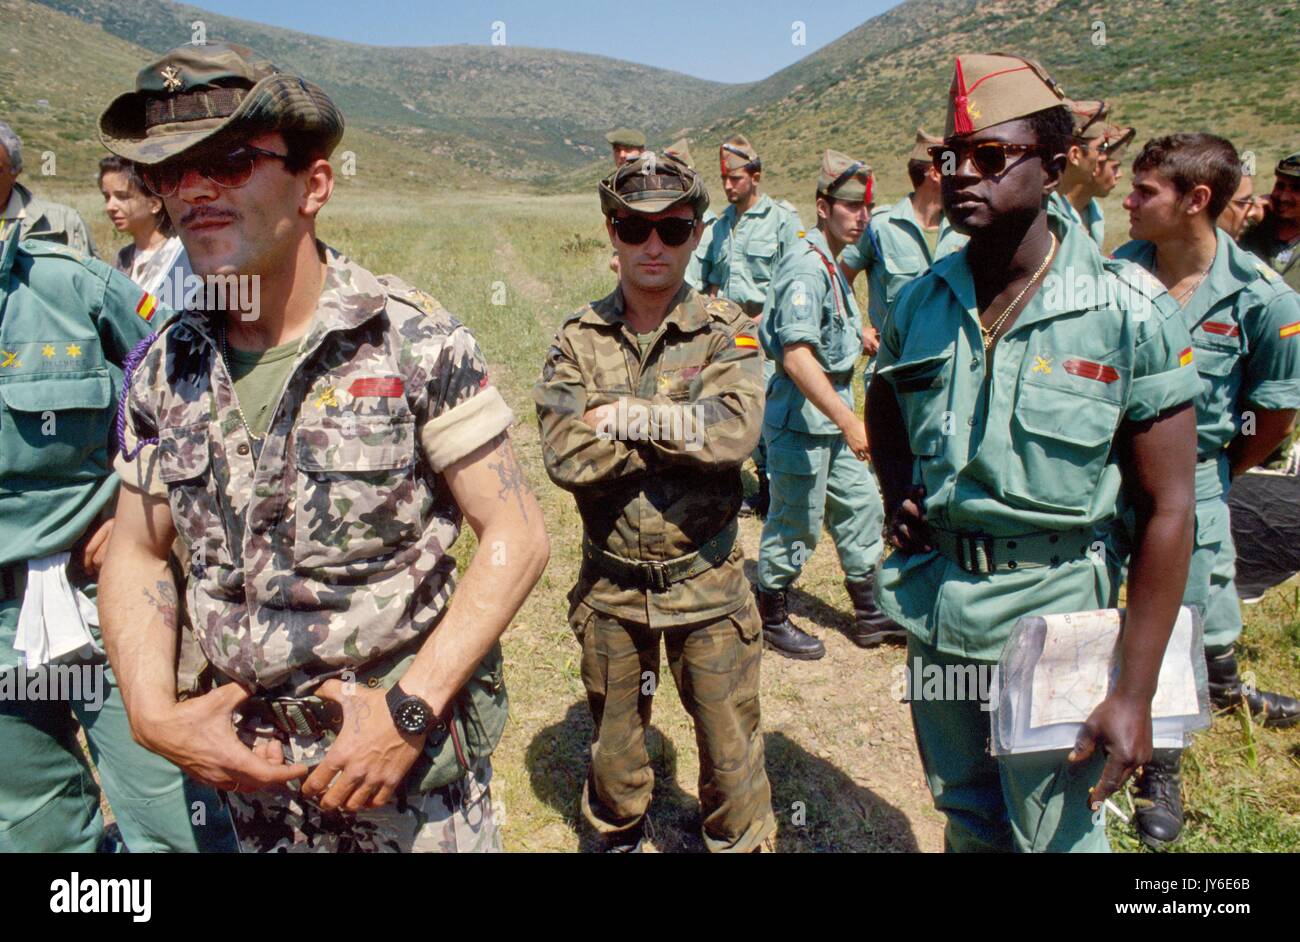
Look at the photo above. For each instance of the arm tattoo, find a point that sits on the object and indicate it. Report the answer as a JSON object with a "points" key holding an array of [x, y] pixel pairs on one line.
{"points": [[511, 477], [164, 602]]}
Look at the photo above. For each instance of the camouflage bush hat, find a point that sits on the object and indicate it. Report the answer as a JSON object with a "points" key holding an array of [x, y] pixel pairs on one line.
{"points": [[1089, 119], [921, 148], [652, 183], [1289, 166], [736, 153], [625, 137], [844, 178], [988, 90], [193, 93]]}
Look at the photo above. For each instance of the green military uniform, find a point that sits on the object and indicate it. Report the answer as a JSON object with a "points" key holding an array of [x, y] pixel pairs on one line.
{"points": [[660, 555], [1092, 220], [814, 475], [743, 251], [1245, 327], [50, 222], [1263, 239], [66, 325], [1017, 457], [320, 549], [893, 250]]}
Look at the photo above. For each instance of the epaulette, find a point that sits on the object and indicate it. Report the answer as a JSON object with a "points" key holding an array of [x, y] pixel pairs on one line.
{"points": [[1136, 277], [395, 287], [723, 309], [46, 247], [1267, 271]]}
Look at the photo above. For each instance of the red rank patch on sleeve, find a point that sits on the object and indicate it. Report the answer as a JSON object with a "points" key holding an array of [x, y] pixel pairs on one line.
{"points": [[389, 386], [1089, 370]]}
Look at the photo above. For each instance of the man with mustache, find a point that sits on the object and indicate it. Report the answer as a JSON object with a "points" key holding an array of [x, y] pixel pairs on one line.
{"points": [[1245, 327], [1277, 238], [317, 456], [1004, 417], [816, 446]]}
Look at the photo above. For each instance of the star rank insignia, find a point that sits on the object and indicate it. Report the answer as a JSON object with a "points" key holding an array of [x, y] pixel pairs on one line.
{"points": [[171, 78]]}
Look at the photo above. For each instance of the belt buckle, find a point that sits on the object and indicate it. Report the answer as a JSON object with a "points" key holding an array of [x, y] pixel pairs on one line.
{"points": [[280, 709], [657, 576], [976, 553]]}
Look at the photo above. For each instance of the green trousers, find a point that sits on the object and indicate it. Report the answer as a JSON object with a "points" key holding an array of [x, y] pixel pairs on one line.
{"points": [[760, 450], [816, 479], [1032, 802], [49, 801], [715, 666]]}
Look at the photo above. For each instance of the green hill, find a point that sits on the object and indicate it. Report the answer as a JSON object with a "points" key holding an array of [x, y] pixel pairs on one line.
{"points": [[511, 111]]}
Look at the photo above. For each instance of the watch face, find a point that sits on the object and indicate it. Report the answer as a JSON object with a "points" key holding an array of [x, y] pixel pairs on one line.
{"points": [[412, 716]]}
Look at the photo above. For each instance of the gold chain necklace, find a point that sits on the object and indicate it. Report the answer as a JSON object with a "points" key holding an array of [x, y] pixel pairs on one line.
{"points": [[991, 332], [225, 359]]}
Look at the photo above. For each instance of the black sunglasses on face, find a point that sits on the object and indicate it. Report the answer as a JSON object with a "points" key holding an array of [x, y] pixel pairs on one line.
{"points": [[228, 169], [673, 231], [989, 157]]}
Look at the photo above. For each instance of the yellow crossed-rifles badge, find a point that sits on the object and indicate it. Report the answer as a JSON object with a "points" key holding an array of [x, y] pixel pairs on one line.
{"points": [[326, 398], [171, 78], [10, 359], [1042, 365]]}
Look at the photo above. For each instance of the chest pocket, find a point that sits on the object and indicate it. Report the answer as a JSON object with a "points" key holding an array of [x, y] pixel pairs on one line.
{"points": [[760, 256], [356, 496], [185, 466], [1061, 443], [921, 385], [53, 425], [1214, 358]]}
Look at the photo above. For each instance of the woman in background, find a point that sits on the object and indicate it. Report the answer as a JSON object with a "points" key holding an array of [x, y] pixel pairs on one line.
{"points": [[155, 252]]}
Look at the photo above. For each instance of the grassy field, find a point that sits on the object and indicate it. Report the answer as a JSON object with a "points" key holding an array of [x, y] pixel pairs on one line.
{"points": [[838, 741]]}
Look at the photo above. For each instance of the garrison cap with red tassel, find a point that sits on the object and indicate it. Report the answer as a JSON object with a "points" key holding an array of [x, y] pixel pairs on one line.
{"points": [[990, 89]]}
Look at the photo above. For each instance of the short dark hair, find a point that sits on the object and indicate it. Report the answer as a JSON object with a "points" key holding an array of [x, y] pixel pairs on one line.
{"points": [[1191, 160], [916, 171], [129, 169], [1053, 130], [304, 149]]}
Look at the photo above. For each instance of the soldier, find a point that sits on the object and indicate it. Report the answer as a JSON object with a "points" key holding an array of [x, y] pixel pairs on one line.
{"points": [[1245, 327], [68, 324], [1076, 198], [658, 503], [626, 145], [816, 446], [1240, 212], [1277, 238], [741, 251], [1110, 164], [695, 268], [36, 218], [317, 455], [902, 241], [1003, 421]]}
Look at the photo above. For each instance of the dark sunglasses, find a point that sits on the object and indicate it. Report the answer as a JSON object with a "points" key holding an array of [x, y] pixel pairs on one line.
{"points": [[634, 230], [989, 157], [229, 169]]}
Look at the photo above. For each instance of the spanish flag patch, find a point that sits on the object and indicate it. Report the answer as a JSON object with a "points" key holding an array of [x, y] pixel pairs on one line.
{"points": [[743, 341], [1290, 330], [1185, 357], [146, 306]]}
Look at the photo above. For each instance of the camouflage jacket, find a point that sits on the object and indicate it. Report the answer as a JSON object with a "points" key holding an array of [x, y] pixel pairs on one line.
{"points": [[329, 549], [656, 484]]}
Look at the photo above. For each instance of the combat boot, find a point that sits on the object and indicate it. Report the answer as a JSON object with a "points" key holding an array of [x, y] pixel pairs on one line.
{"points": [[1159, 800], [871, 626], [781, 634], [756, 504], [1227, 690]]}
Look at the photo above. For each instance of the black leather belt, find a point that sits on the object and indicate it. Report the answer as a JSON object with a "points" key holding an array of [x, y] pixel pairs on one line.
{"points": [[658, 575], [982, 554]]}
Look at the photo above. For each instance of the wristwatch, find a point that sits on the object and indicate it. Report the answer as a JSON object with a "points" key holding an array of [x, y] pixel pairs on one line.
{"points": [[410, 713]]}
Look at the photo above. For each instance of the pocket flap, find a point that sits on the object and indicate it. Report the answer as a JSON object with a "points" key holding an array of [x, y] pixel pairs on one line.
{"points": [[182, 453], [373, 443], [1066, 415], [58, 391], [919, 373]]}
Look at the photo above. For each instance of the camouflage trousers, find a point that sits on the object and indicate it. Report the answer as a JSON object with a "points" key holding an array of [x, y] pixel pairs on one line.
{"points": [[458, 818], [715, 666]]}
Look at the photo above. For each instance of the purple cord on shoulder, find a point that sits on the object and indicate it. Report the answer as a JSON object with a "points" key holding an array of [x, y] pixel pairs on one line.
{"points": [[132, 361]]}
